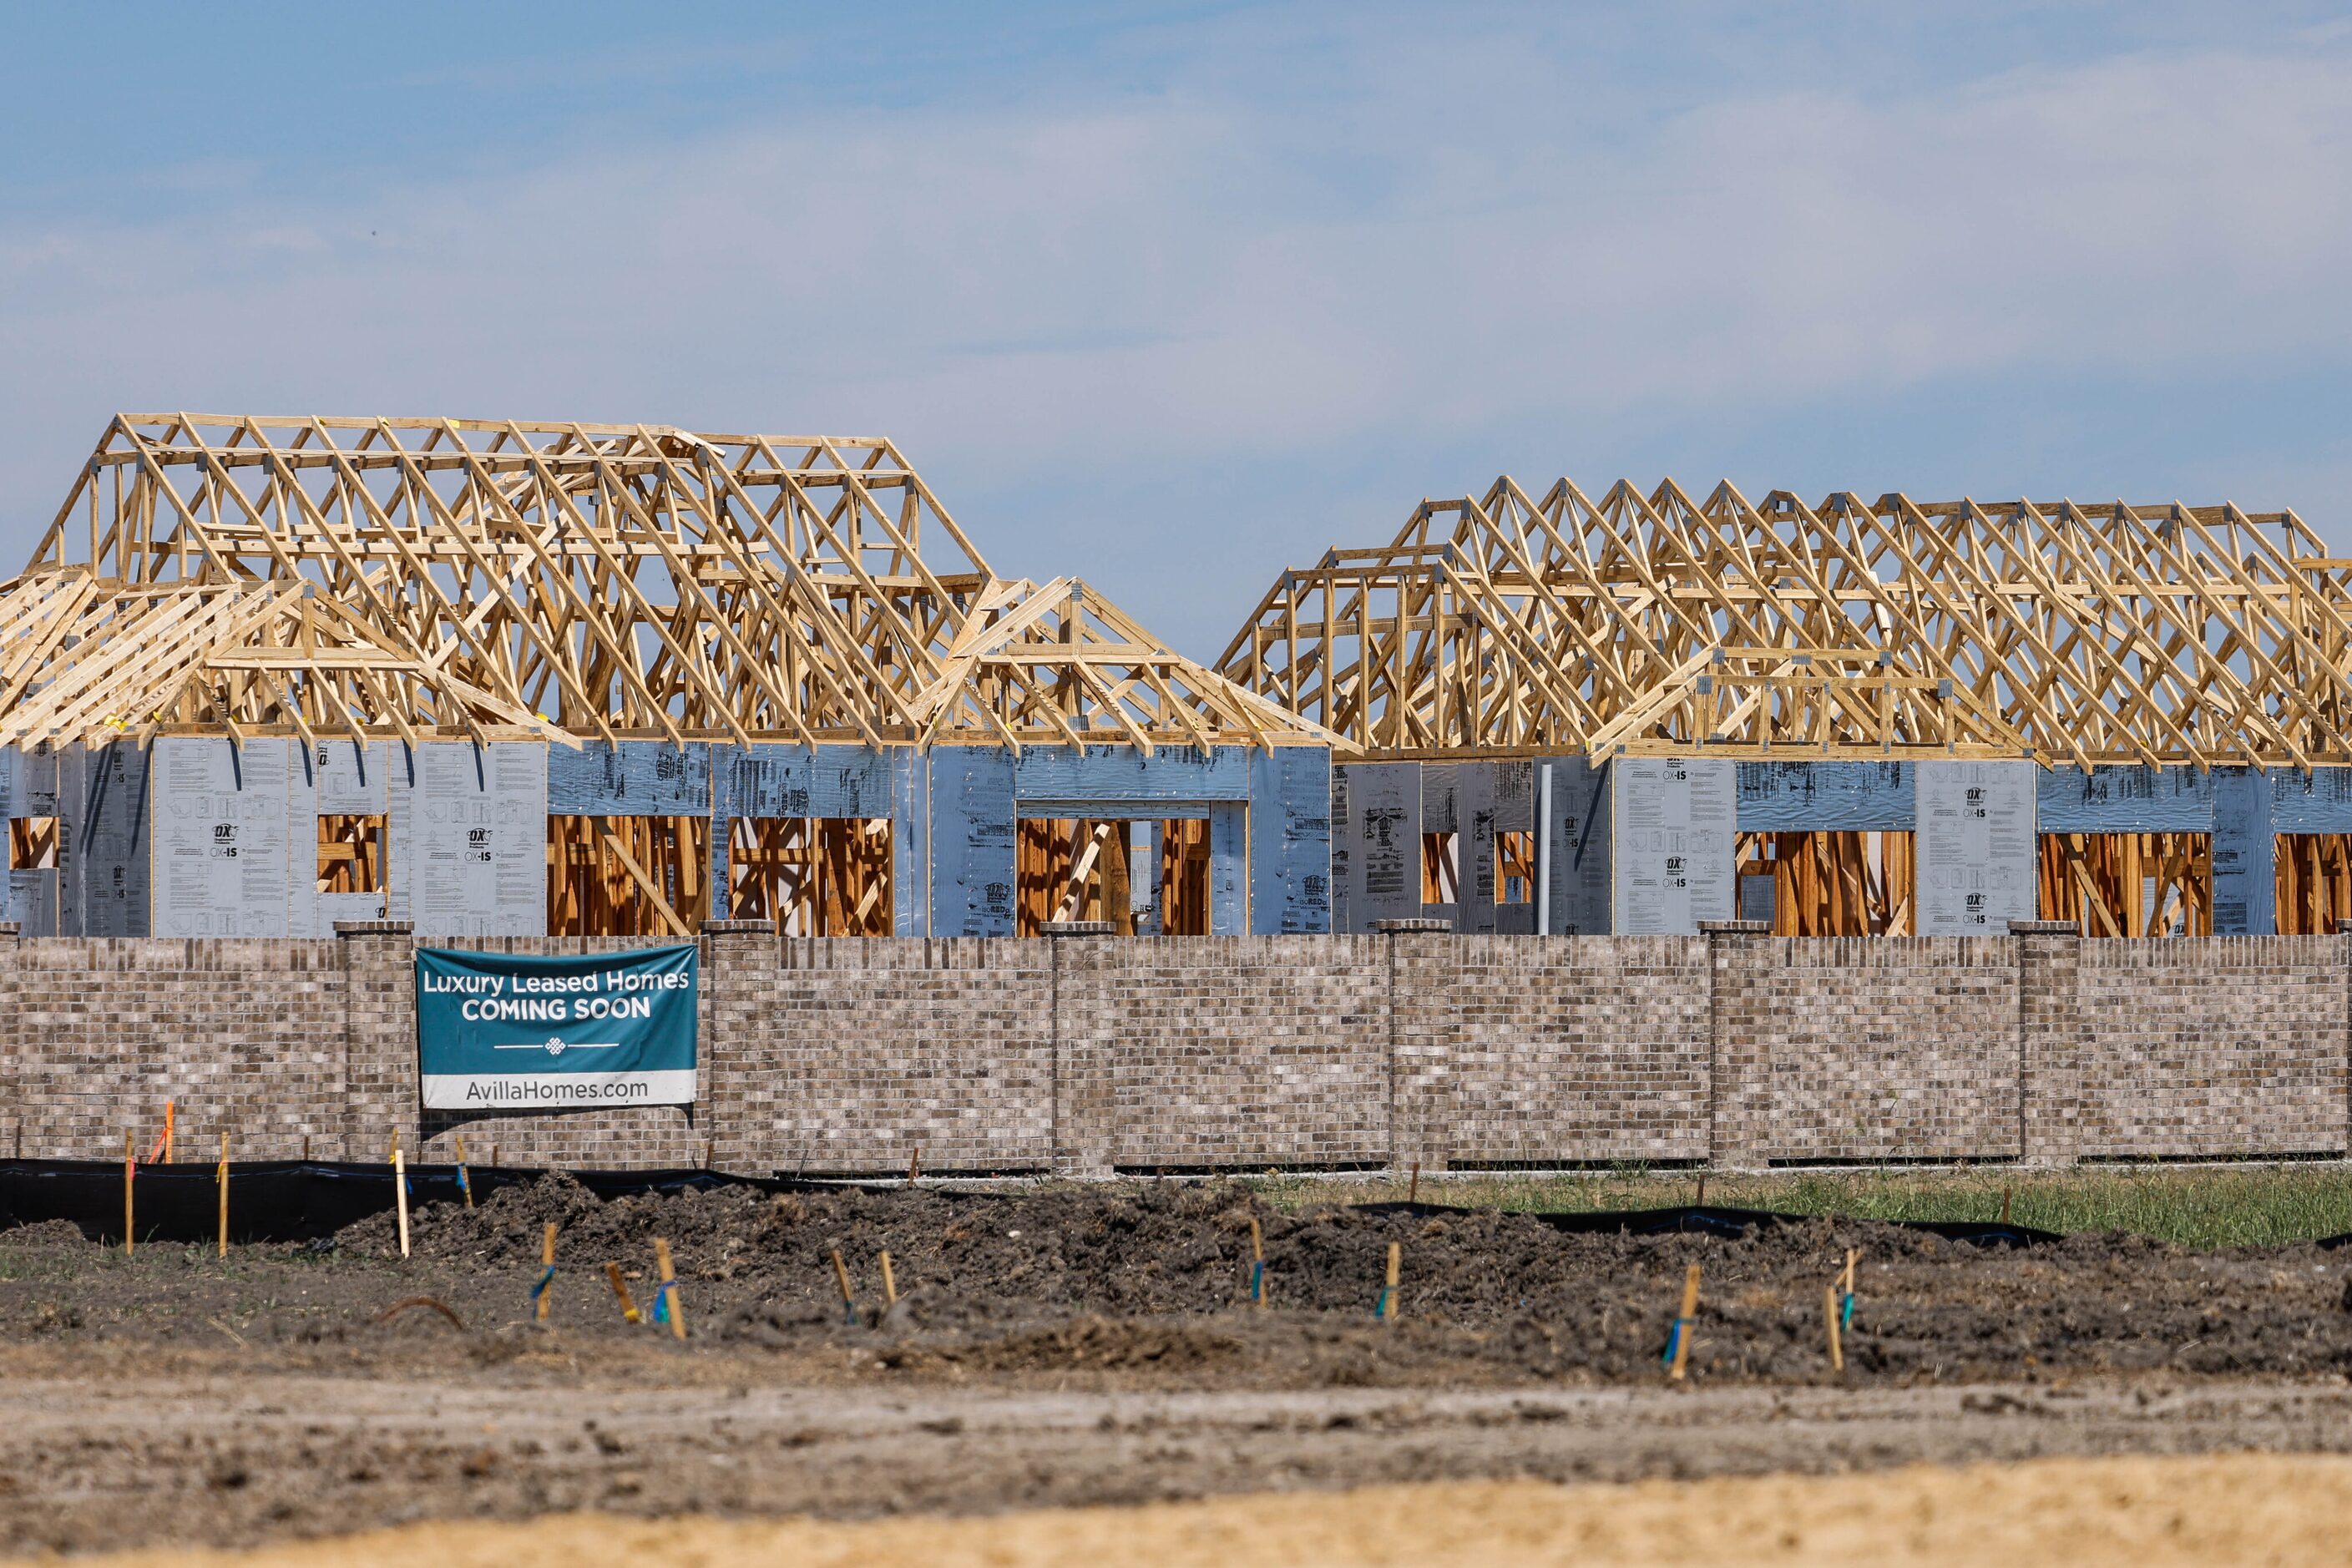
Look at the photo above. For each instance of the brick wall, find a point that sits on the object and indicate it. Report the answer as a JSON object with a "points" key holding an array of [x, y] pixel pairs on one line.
{"points": [[1889, 1048], [242, 1034], [1089, 1053], [1212, 1052], [853, 1056], [1587, 1050], [2212, 1046]]}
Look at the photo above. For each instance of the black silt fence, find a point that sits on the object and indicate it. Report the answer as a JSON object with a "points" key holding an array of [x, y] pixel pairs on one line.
{"points": [[276, 1200], [1691, 1219]]}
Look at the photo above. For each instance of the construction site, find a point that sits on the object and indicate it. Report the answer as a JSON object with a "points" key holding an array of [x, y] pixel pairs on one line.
{"points": [[1094, 1076], [265, 675], [589, 680], [1846, 719]]}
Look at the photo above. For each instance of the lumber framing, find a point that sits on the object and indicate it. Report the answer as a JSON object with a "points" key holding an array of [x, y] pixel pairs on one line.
{"points": [[1508, 626], [414, 579], [1836, 882], [2132, 884]]}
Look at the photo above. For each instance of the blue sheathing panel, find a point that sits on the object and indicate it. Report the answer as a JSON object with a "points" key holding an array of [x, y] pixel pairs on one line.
{"points": [[103, 885], [1441, 787], [2244, 897], [2130, 799], [636, 778], [2316, 802], [1342, 821], [1579, 879], [1123, 773], [858, 782], [972, 841], [1228, 868], [722, 878], [911, 848], [1289, 841], [803, 780], [1475, 786], [1266, 879], [1826, 797]]}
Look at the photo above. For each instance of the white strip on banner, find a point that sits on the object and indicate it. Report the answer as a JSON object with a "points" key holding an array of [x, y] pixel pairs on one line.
{"points": [[557, 1091]]}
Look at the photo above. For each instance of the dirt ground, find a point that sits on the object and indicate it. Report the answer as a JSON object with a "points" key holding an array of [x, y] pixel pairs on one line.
{"points": [[1065, 1347], [2103, 1513]]}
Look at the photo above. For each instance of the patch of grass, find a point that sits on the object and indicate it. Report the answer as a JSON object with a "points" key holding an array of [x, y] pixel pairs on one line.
{"points": [[2194, 1205]]}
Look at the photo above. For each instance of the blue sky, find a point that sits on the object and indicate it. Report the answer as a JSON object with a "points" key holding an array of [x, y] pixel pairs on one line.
{"points": [[1171, 297]]}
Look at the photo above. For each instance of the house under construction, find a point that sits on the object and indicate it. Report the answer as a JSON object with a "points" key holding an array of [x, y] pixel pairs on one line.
{"points": [[1847, 718], [265, 673]]}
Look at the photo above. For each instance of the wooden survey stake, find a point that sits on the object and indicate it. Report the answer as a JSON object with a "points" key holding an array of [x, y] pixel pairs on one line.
{"points": [[222, 1178], [1830, 1318], [1388, 1307], [400, 1190], [1684, 1324], [545, 1290], [889, 1283], [1258, 1264], [621, 1288], [129, 1171], [848, 1302], [464, 1182], [668, 1301]]}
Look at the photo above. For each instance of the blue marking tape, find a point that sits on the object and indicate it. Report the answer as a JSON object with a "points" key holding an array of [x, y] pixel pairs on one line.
{"points": [[544, 1282]]}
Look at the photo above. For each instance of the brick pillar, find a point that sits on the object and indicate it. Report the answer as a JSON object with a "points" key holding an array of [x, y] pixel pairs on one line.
{"points": [[2049, 1041], [1739, 1094], [1424, 968], [380, 1090], [12, 1043], [732, 1109], [1086, 1101]]}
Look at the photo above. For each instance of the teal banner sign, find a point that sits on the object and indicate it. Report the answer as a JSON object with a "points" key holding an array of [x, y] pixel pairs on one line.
{"points": [[501, 1031]]}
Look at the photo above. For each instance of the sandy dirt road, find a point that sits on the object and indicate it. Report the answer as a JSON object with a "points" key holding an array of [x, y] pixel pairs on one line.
{"points": [[229, 1459], [2129, 1513]]}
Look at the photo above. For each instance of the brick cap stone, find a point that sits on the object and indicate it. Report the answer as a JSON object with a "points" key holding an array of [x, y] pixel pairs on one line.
{"points": [[739, 928], [2045, 928], [1735, 928], [1079, 928], [1418, 925], [375, 927]]}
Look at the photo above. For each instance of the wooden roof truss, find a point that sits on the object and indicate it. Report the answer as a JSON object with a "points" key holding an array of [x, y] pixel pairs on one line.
{"points": [[1506, 625], [575, 580]]}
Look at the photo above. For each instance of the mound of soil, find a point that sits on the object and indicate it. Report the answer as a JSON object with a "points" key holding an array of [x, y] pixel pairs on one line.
{"points": [[1154, 1276]]}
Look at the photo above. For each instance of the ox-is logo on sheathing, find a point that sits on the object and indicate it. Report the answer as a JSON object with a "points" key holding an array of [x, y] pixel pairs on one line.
{"points": [[498, 1031]]}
